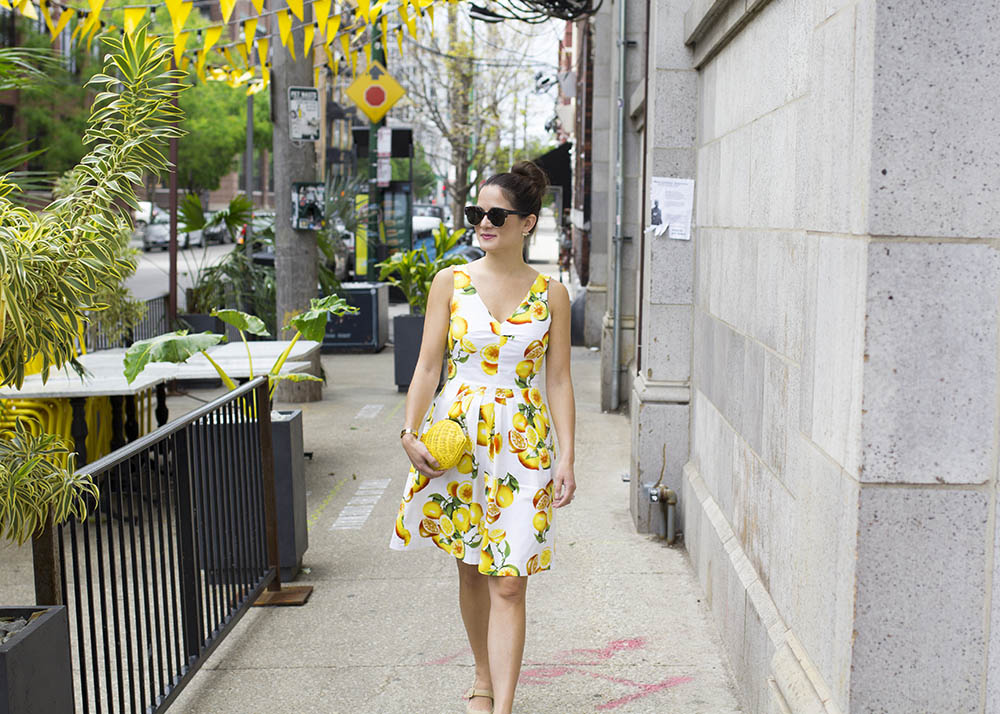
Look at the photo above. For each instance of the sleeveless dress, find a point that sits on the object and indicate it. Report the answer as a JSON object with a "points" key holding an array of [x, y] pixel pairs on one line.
{"points": [[494, 509]]}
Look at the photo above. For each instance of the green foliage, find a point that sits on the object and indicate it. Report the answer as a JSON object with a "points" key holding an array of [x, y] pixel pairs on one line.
{"points": [[413, 271], [171, 347], [33, 488], [341, 218], [311, 323], [242, 321], [55, 265], [215, 122]]}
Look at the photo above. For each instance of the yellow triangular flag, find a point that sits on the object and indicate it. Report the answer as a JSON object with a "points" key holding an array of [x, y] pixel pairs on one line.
{"points": [[410, 20], [368, 54], [96, 6], [227, 9], [229, 56], [179, 11], [63, 20], [93, 32], [284, 26], [4, 4], [373, 13], [364, 7], [332, 25], [430, 14], [259, 5], [262, 45], [316, 76], [249, 33], [354, 62], [200, 65], [345, 43], [307, 39], [329, 57], [83, 28], [180, 42], [244, 54], [44, 5], [133, 16], [296, 7], [399, 39], [321, 11], [185, 62], [27, 9], [212, 35], [385, 33]]}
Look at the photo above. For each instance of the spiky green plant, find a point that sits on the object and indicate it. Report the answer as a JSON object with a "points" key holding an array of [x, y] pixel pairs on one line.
{"points": [[55, 264]]}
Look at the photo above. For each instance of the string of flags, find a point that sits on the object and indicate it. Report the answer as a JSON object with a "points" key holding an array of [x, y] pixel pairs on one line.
{"points": [[355, 23]]}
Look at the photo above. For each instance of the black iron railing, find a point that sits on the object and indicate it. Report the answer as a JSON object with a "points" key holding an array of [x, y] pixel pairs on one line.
{"points": [[175, 552], [152, 324]]}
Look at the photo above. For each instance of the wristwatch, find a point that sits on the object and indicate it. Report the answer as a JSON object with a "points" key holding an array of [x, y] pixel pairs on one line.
{"points": [[404, 432]]}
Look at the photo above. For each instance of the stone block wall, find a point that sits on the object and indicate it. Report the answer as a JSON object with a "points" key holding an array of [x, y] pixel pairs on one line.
{"points": [[840, 497]]}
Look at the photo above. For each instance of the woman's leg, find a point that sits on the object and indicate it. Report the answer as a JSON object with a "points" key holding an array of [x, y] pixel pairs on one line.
{"points": [[474, 601], [506, 638]]}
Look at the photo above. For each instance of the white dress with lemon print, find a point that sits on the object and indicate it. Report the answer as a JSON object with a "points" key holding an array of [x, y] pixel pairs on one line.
{"points": [[494, 509]]}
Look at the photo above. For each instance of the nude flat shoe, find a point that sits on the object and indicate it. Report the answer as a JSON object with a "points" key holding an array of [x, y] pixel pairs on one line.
{"points": [[472, 693]]}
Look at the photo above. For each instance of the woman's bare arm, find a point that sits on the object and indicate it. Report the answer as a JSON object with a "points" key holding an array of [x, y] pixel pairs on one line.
{"points": [[559, 388]]}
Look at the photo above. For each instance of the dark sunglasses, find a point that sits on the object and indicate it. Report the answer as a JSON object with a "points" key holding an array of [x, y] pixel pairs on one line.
{"points": [[497, 216]]}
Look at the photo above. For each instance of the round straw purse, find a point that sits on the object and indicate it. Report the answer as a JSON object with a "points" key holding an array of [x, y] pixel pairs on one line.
{"points": [[446, 441]]}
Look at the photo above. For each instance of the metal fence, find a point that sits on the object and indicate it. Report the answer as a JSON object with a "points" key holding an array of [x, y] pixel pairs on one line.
{"points": [[175, 552], [152, 324]]}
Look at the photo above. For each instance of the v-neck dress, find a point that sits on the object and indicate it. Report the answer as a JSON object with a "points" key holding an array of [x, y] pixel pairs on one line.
{"points": [[494, 509]]}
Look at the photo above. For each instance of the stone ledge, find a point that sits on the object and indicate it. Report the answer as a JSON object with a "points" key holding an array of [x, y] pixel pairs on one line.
{"points": [[651, 391], [798, 683], [709, 25]]}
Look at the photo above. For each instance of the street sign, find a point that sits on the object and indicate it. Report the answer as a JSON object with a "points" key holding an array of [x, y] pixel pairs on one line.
{"points": [[375, 91], [303, 114], [383, 174]]}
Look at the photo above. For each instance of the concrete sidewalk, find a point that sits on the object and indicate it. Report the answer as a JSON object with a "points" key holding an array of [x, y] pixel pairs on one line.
{"points": [[617, 625]]}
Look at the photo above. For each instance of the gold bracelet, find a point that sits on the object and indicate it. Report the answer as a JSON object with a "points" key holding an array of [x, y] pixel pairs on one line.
{"points": [[404, 432]]}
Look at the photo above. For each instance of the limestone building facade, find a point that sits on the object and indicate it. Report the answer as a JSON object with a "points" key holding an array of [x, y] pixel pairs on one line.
{"points": [[815, 372]]}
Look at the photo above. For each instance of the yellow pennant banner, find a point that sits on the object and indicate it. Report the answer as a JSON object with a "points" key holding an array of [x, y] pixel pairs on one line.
{"points": [[64, 19], [249, 33], [229, 56], [179, 11], [242, 49], [212, 35], [410, 21], [27, 9], [345, 44], [364, 7], [133, 16], [330, 62], [321, 13], [227, 9], [262, 45], [399, 39], [296, 7], [368, 54], [44, 7], [180, 42], [200, 65], [307, 38], [4, 4], [284, 26], [385, 33], [332, 25], [374, 12], [259, 6]]}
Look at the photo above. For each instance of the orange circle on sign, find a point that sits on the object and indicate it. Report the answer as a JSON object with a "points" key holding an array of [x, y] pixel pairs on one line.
{"points": [[375, 96]]}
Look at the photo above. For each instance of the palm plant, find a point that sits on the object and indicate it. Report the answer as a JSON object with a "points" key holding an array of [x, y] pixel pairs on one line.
{"points": [[413, 271], [55, 264]]}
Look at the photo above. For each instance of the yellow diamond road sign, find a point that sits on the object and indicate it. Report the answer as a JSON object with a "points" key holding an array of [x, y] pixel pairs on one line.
{"points": [[375, 91]]}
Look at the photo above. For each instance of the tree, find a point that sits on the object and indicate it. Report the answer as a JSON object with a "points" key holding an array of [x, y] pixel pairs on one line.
{"points": [[464, 99], [424, 178]]}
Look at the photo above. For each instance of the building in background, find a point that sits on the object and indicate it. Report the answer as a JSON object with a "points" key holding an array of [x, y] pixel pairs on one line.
{"points": [[814, 373]]}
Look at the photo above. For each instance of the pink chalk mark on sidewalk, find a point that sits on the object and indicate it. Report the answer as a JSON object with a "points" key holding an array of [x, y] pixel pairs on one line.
{"points": [[543, 674]]}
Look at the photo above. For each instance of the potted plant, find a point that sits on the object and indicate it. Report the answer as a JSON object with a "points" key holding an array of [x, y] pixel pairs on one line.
{"points": [[412, 271], [286, 426], [55, 265], [209, 286]]}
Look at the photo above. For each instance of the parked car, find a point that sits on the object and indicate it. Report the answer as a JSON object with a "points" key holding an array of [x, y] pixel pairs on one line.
{"points": [[214, 233], [263, 224], [432, 210], [146, 213], [157, 235]]}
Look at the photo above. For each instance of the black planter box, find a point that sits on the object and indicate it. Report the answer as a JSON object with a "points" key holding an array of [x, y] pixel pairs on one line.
{"points": [[203, 322], [36, 676], [368, 329], [408, 331]]}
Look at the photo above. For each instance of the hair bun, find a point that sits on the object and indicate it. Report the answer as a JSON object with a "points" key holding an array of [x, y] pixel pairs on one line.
{"points": [[533, 173]]}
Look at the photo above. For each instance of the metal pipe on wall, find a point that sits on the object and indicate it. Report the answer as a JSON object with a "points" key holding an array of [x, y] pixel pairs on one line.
{"points": [[619, 209]]}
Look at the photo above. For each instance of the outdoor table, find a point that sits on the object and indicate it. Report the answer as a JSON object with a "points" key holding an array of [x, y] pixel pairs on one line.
{"points": [[104, 380], [265, 352]]}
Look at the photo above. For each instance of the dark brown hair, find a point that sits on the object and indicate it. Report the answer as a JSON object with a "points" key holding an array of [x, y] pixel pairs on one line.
{"points": [[525, 185]]}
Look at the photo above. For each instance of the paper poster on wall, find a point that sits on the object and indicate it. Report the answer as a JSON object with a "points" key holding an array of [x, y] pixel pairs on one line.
{"points": [[671, 201]]}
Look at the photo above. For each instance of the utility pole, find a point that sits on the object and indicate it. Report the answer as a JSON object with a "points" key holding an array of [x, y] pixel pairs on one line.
{"points": [[295, 251]]}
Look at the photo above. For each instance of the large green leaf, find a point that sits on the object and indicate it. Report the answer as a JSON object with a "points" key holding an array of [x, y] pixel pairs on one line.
{"points": [[173, 347], [242, 321], [192, 217], [312, 322]]}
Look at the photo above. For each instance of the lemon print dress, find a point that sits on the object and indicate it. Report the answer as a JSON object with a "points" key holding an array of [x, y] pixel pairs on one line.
{"points": [[494, 509]]}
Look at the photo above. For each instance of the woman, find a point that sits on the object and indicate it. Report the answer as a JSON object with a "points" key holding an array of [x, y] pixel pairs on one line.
{"points": [[502, 323]]}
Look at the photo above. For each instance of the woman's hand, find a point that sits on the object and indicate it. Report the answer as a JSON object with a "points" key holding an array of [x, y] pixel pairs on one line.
{"points": [[421, 457], [563, 485]]}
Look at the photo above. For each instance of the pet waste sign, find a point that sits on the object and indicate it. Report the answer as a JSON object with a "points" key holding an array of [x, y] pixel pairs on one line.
{"points": [[375, 91]]}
